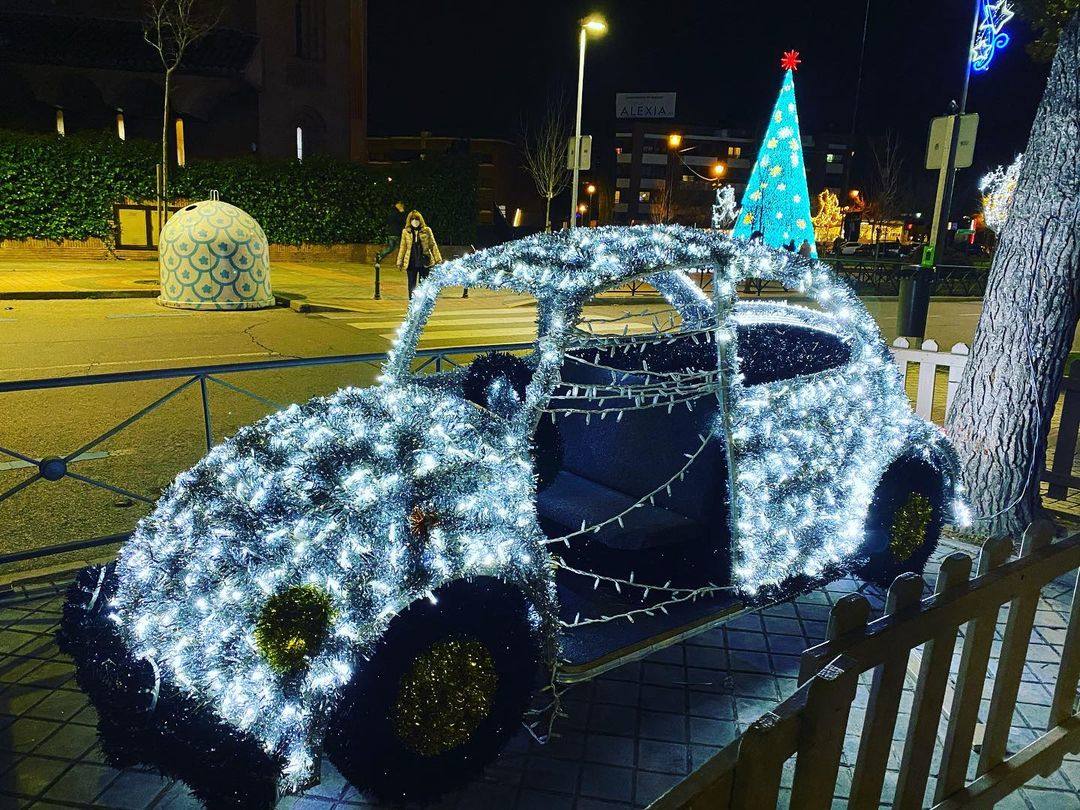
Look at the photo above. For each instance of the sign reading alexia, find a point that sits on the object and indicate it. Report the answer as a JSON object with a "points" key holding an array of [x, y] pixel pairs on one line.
{"points": [[644, 105]]}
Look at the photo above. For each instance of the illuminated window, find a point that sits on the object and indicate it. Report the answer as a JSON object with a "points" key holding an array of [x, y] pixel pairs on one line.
{"points": [[618, 195], [120, 133], [644, 196], [299, 143], [181, 156], [734, 151], [60, 122], [831, 158]]}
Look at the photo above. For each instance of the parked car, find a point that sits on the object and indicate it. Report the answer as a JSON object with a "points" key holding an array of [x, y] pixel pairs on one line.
{"points": [[377, 575]]}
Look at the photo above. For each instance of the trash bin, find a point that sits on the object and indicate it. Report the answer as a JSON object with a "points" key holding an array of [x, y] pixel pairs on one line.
{"points": [[913, 301]]}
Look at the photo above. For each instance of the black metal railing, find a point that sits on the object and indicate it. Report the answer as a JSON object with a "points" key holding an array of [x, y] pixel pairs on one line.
{"points": [[56, 467]]}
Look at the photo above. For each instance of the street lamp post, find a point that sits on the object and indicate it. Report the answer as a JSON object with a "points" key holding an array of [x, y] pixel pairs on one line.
{"points": [[590, 189], [593, 24]]}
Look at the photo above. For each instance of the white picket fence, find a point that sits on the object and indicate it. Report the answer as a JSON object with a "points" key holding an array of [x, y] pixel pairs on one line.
{"points": [[929, 359]]}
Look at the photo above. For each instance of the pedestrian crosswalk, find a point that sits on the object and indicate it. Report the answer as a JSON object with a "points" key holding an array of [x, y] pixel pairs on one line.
{"points": [[480, 326]]}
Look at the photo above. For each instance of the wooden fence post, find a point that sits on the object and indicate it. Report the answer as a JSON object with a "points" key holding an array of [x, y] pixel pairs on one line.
{"points": [[757, 773], [822, 727], [888, 684], [929, 694], [956, 750], [924, 399], [1065, 447], [1014, 647], [849, 615], [1064, 700]]}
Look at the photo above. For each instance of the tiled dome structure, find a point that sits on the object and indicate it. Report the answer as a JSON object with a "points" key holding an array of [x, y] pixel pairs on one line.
{"points": [[214, 256]]}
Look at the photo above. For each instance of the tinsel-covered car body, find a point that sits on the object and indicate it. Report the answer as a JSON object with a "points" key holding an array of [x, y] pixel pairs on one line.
{"points": [[267, 574]]}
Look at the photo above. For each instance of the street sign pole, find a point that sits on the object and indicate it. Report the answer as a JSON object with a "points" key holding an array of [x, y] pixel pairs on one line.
{"points": [[945, 194]]}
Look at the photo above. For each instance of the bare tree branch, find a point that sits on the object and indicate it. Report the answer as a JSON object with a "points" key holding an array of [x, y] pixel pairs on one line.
{"points": [[170, 28], [544, 149]]}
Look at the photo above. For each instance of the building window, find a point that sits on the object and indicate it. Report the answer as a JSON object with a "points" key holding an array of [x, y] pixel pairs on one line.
{"points": [[60, 122], [300, 143], [181, 155], [831, 158], [618, 196], [120, 133], [734, 151], [644, 196], [310, 28]]}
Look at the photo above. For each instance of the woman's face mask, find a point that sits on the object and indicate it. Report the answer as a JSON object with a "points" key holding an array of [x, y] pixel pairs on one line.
{"points": [[416, 223]]}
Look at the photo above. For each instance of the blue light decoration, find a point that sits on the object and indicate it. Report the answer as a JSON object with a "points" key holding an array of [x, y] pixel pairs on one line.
{"points": [[776, 203], [990, 36]]}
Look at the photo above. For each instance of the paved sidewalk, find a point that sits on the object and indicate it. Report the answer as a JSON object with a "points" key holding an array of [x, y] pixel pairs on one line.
{"points": [[630, 734]]}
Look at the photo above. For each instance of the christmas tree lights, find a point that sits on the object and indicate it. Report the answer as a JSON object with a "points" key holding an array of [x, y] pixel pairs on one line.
{"points": [[776, 203]]}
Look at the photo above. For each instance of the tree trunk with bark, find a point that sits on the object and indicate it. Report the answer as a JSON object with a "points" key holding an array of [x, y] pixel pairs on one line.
{"points": [[1001, 414]]}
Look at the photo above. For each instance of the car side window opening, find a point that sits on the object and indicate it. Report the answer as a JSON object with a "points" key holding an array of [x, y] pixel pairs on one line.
{"points": [[639, 477]]}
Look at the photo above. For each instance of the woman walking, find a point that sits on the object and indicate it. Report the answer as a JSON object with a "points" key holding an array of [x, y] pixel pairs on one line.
{"points": [[418, 251]]}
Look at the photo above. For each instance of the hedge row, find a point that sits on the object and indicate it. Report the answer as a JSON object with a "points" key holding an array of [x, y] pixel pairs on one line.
{"points": [[64, 188]]}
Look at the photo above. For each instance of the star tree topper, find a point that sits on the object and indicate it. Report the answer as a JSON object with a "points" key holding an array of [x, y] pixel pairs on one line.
{"points": [[790, 60]]}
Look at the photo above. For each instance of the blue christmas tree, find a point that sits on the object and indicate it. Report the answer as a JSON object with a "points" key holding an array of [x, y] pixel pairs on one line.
{"points": [[776, 203]]}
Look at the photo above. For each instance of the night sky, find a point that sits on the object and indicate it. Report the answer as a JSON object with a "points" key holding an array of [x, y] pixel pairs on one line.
{"points": [[476, 68]]}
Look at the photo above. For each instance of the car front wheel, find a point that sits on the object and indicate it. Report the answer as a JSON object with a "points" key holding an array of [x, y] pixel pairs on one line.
{"points": [[904, 522], [448, 683]]}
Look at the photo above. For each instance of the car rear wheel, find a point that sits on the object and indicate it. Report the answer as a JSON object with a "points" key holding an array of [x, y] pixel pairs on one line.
{"points": [[904, 523], [449, 682]]}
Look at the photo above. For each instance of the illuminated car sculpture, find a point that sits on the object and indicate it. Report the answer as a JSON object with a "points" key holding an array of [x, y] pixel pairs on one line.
{"points": [[376, 576]]}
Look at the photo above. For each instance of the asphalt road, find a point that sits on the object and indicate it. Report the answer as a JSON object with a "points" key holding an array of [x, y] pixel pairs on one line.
{"points": [[61, 338]]}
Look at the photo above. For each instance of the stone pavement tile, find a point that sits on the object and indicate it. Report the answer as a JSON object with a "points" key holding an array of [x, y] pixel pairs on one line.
{"points": [[649, 786], [552, 774], [617, 720], [665, 757], [704, 704], [585, 803], [707, 731], [481, 796], [783, 626], [710, 638], [27, 777], [700, 754], [564, 744], [178, 797], [51, 675], [663, 726], [25, 734], [663, 698], [748, 621], [610, 750], [709, 680], [1051, 799], [607, 782], [668, 655], [61, 705], [662, 674], [622, 693], [742, 661], [133, 791], [70, 742], [81, 783], [707, 657], [541, 800], [746, 640], [14, 668], [18, 698], [755, 685]]}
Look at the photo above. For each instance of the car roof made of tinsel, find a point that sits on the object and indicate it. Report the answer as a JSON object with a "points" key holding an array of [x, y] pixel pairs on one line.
{"points": [[584, 261]]}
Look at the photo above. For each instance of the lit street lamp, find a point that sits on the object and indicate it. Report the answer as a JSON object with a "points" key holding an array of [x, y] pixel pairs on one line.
{"points": [[593, 24], [590, 189], [719, 170]]}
